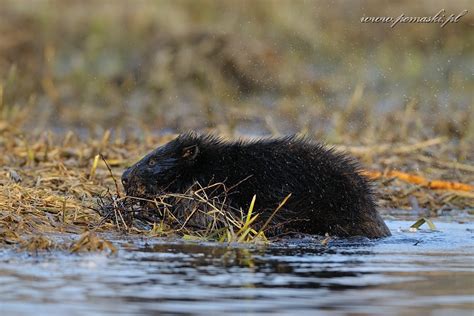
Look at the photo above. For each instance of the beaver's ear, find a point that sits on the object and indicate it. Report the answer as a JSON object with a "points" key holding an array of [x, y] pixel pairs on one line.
{"points": [[190, 152]]}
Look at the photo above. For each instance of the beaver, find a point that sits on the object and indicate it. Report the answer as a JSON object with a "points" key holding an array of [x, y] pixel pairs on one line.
{"points": [[328, 193]]}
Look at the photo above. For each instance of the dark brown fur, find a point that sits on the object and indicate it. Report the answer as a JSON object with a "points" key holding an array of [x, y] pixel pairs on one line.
{"points": [[328, 194]]}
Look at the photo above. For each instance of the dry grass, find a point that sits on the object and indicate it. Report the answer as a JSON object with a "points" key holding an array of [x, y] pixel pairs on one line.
{"points": [[198, 214], [52, 184]]}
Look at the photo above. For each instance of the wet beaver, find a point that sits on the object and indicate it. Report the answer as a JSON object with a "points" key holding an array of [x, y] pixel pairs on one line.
{"points": [[328, 194]]}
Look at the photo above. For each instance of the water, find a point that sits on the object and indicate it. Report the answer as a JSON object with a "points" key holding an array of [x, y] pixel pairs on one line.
{"points": [[409, 273]]}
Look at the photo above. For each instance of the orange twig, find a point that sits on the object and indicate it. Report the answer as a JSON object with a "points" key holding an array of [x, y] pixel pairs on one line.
{"points": [[411, 178]]}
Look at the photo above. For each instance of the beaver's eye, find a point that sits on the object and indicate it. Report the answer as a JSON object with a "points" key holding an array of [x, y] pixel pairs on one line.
{"points": [[151, 162]]}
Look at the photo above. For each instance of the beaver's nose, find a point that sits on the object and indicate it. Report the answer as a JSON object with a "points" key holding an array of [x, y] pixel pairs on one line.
{"points": [[126, 176]]}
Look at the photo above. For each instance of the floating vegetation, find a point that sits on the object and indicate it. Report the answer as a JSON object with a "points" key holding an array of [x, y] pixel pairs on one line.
{"points": [[38, 243], [422, 221], [91, 242]]}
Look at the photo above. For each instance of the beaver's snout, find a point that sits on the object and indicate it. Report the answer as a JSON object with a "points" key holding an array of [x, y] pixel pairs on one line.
{"points": [[133, 183], [126, 177]]}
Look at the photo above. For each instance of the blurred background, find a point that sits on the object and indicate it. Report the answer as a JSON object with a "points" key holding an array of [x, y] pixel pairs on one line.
{"points": [[238, 68]]}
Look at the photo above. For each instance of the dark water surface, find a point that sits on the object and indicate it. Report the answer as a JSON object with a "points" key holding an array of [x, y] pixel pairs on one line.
{"points": [[409, 273]]}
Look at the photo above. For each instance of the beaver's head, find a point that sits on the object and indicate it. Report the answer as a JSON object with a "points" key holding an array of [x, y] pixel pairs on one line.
{"points": [[165, 169]]}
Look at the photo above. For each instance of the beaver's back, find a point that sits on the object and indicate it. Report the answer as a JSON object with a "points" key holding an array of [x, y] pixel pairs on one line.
{"points": [[328, 194]]}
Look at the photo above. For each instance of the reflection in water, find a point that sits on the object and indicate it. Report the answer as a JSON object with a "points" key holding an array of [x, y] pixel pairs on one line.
{"points": [[406, 273]]}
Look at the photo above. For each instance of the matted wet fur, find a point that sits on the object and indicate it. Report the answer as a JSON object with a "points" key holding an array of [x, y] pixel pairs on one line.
{"points": [[328, 194]]}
